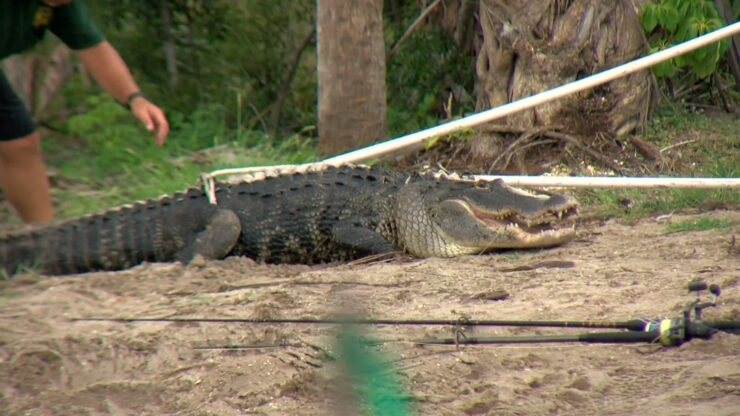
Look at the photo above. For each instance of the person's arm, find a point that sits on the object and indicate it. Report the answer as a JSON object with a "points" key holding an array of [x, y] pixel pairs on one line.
{"points": [[111, 72]]}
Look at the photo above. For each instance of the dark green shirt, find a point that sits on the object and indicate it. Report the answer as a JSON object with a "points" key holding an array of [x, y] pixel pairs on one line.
{"points": [[23, 24]]}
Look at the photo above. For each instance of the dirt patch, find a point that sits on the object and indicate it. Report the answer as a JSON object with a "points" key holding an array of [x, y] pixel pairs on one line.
{"points": [[50, 365]]}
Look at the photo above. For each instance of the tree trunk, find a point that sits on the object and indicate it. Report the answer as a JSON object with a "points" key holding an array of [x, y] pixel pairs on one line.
{"points": [[168, 46], [532, 46], [351, 75], [725, 11]]}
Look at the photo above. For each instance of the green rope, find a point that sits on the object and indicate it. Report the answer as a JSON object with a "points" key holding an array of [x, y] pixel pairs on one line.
{"points": [[375, 379]]}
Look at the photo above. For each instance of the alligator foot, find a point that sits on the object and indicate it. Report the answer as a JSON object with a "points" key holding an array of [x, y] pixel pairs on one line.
{"points": [[216, 240], [364, 241]]}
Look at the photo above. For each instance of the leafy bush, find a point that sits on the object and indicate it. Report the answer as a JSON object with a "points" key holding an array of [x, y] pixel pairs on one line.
{"points": [[420, 78], [222, 48], [670, 22]]}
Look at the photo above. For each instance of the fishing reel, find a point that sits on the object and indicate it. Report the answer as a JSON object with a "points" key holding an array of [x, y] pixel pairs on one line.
{"points": [[674, 331], [695, 307]]}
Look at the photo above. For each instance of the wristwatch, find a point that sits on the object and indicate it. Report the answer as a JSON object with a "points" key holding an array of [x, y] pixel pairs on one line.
{"points": [[132, 97]]}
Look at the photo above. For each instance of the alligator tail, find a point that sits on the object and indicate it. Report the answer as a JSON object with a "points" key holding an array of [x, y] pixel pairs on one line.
{"points": [[112, 240]]}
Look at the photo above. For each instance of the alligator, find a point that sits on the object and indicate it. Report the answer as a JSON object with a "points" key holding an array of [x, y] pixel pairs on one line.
{"points": [[336, 214]]}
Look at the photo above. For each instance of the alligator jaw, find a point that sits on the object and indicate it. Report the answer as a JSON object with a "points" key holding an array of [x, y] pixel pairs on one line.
{"points": [[544, 229], [475, 230], [543, 238]]}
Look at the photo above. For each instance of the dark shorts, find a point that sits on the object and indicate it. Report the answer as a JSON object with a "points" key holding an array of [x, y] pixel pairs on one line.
{"points": [[15, 120]]}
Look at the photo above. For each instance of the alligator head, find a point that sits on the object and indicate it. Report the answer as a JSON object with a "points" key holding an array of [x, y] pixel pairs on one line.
{"points": [[465, 218]]}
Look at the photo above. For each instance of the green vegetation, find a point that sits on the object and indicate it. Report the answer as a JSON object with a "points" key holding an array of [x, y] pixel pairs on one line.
{"points": [[216, 50], [702, 224], [670, 22], [635, 203], [110, 159], [421, 79], [703, 148]]}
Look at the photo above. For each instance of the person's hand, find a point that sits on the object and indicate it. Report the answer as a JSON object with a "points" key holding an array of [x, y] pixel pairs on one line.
{"points": [[151, 117]]}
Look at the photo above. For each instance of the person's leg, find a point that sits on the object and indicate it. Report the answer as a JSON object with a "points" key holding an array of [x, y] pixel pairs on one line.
{"points": [[23, 178], [22, 172]]}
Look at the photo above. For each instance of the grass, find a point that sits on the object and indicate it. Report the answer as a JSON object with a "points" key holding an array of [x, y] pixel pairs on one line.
{"points": [[111, 160], [635, 203], [702, 224], [154, 175], [711, 148]]}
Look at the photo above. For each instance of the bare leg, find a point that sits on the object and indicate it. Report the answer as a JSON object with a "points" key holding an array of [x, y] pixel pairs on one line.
{"points": [[23, 178]]}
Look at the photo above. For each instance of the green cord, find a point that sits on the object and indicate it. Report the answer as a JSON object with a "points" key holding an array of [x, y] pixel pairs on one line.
{"points": [[375, 380]]}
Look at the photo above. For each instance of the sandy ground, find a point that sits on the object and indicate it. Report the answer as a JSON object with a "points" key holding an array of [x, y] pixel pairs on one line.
{"points": [[51, 365]]}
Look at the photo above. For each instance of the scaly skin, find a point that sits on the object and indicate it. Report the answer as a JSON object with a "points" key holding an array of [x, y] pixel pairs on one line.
{"points": [[332, 215]]}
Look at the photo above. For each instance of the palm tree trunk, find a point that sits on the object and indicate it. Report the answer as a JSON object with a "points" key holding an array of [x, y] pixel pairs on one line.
{"points": [[351, 75], [529, 47]]}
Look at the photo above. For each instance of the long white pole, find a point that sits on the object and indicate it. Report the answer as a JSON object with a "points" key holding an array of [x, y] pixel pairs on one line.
{"points": [[534, 100], [613, 181]]}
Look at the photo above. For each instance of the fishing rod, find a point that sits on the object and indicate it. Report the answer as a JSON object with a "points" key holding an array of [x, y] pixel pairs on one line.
{"points": [[669, 332], [634, 325], [379, 381]]}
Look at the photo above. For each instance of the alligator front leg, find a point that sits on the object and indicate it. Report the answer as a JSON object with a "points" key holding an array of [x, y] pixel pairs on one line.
{"points": [[361, 239], [216, 240]]}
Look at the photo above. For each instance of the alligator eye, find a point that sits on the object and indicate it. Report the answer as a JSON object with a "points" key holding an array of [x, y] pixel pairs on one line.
{"points": [[481, 184]]}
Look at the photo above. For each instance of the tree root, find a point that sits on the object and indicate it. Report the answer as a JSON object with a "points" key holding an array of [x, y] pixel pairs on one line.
{"points": [[526, 136]]}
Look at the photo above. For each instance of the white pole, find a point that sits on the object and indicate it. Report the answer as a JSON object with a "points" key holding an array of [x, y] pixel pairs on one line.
{"points": [[613, 181], [534, 100]]}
